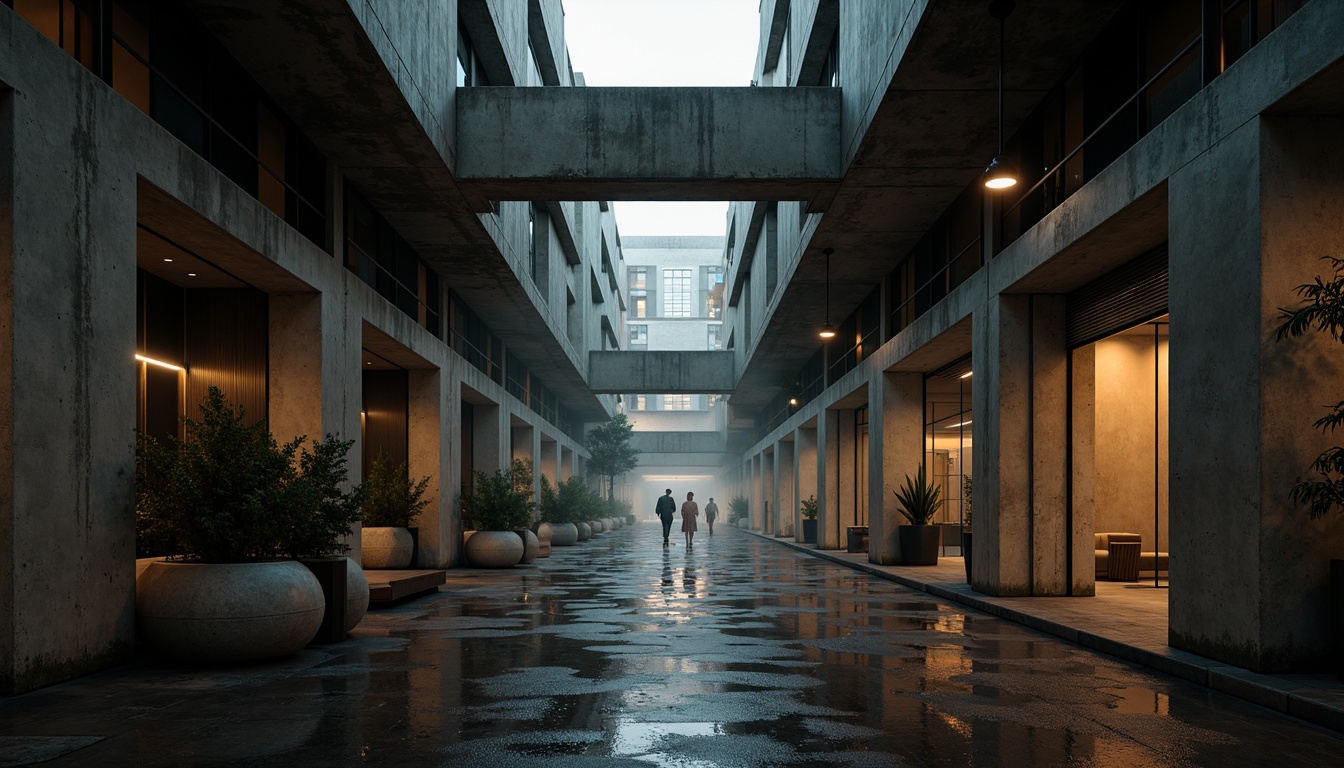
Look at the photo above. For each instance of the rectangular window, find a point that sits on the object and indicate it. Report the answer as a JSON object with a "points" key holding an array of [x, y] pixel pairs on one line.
{"points": [[714, 336], [384, 260], [639, 278], [641, 403], [676, 402], [641, 303], [677, 293], [713, 292], [639, 334], [532, 241]]}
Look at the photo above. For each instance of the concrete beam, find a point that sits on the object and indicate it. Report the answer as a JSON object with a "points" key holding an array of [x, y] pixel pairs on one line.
{"points": [[704, 373], [649, 144], [677, 442]]}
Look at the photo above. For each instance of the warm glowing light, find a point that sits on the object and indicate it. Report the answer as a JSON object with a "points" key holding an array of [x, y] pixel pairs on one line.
{"points": [[1000, 174], [827, 331], [965, 375], [793, 401], [159, 363], [191, 274], [168, 260], [958, 424]]}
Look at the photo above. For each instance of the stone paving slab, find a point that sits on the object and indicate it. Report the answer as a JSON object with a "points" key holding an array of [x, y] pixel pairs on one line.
{"points": [[1127, 621]]}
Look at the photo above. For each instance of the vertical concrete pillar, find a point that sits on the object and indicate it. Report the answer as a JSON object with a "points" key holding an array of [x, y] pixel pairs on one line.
{"points": [[1083, 440], [567, 463], [491, 437], [1020, 397], [895, 448], [772, 491], [526, 442], [1250, 220], [828, 479], [760, 509], [847, 481], [805, 472], [788, 488], [549, 460], [433, 426], [67, 385], [314, 381]]}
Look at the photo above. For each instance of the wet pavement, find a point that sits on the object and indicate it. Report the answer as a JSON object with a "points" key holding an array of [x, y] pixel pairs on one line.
{"points": [[738, 652]]}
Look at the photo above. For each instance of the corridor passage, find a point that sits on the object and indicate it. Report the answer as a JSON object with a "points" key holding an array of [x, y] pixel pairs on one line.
{"points": [[738, 652]]}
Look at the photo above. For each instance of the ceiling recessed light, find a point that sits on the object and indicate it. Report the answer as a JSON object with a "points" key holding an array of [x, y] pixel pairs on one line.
{"points": [[167, 259], [191, 274]]}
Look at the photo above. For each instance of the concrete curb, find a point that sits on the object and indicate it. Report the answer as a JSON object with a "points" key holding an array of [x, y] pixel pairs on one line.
{"points": [[1287, 696]]}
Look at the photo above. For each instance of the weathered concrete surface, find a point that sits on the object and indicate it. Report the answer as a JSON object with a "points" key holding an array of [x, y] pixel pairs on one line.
{"points": [[648, 143], [895, 440], [1250, 219], [677, 442], [615, 372]]}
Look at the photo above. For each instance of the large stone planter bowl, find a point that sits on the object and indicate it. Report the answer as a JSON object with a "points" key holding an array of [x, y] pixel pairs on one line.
{"points": [[585, 531], [494, 549], [531, 545], [228, 612], [356, 594], [564, 535], [596, 526], [386, 548], [544, 534]]}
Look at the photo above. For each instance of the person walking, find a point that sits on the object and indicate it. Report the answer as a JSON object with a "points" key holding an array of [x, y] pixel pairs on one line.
{"points": [[711, 512], [690, 511], [667, 507]]}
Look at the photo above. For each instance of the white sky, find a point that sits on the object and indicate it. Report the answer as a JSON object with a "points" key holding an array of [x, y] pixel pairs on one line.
{"points": [[660, 43]]}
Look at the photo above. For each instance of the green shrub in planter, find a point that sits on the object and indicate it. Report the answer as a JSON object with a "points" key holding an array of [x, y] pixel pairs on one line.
{"points": [[501, 501], [392, 499], [738, 507], [227, 493]]}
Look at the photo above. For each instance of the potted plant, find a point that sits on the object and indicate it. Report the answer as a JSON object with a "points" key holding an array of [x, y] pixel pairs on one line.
{"points": [[919, 501], [521, 473], [809, 510], [392, 502], [966, 487], [571, 497], [232, 510], [1322, 310], [738, 510], [495, 509]]}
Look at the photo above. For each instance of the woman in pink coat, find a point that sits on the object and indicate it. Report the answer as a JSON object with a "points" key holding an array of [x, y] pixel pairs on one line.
{"points": [[689, 512]]}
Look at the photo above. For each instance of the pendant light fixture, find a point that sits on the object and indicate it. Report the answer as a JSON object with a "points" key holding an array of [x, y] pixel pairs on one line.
{"points": [[828, 330], [1001, 174]]}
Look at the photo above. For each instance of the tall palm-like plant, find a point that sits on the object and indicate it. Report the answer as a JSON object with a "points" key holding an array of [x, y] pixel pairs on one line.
{"points": [[920, 500]]}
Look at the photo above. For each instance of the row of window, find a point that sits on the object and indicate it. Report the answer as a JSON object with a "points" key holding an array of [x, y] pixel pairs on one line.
{"points": [[678, 298], [639, 336]]}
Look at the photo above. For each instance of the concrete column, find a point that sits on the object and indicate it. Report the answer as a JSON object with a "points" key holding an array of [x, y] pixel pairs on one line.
{"points": [[1249, 221], [1020, 399], [828, 479], [895, 449], [433, 429], [787, 488], [67, 384], [805, 472], [759, 512], [549, 461], [847, 486], [1084, 447], [314, 381], [526, 442], [568, 460], [771, 488], [491, 451]]}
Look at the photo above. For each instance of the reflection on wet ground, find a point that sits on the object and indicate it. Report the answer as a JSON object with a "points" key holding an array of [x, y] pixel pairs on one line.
{"points": [[619, 652]]}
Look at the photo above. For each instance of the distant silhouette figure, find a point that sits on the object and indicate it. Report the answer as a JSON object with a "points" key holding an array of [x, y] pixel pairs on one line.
{"points": [[690, 511], [667, 507], [711, 512]]}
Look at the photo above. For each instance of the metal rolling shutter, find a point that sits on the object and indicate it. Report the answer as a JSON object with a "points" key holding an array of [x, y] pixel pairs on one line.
{"points": [[1130, 294]]}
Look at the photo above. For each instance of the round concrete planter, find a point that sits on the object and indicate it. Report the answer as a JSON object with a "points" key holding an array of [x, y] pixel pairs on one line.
{"points": [[531, 545], [228, 612], [597, 526], [564, 534], [585, 531], [386, 548], [494, 549], [544, 533], [356, 594]]}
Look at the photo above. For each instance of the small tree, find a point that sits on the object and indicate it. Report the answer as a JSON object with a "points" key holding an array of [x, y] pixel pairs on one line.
{"points": [[393, 499], [1322, 310], [738, 507], [611, 454]]}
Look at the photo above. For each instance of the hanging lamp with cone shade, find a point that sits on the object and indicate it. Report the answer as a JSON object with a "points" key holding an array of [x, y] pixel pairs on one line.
{"points": [[827, 330], [1001, 173]]}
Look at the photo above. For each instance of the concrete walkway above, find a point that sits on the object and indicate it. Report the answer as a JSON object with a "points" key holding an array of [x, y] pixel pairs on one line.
{"points": [[1128, 621], [649, 144]]}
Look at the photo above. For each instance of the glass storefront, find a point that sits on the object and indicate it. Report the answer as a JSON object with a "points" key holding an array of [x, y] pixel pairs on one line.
{"points": [[947, 447]]}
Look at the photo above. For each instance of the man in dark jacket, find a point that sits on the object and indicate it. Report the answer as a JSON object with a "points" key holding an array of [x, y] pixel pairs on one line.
{"points": [[667, 507]]}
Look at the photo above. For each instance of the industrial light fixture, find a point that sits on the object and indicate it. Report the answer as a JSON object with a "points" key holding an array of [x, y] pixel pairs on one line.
{"points": [[828, 330], [793, 401], [966, 375], [1001, 174]]}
